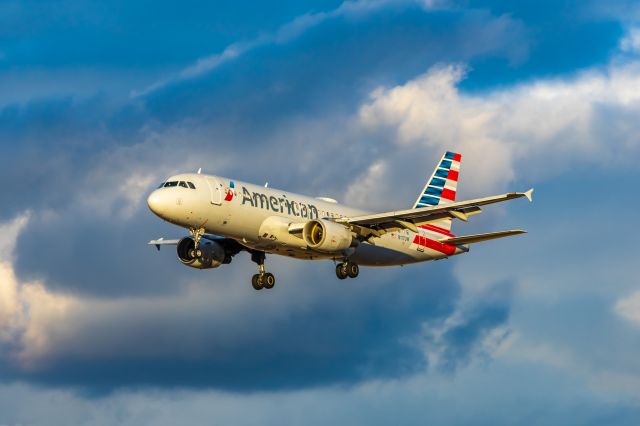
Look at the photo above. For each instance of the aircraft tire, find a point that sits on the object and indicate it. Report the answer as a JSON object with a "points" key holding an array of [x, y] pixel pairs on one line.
{"points": [[268, 280], [341, 271], [257, 282], [352, 270]]}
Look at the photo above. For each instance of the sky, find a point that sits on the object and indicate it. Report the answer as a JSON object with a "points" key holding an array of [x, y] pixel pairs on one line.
{"points": [[356, 100]]}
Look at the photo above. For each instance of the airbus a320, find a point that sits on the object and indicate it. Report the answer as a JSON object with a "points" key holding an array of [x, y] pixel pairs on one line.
{"points": [[226, 216]]}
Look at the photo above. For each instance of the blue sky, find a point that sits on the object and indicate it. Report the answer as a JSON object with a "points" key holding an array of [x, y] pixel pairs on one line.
{"points": [[100, 101]]}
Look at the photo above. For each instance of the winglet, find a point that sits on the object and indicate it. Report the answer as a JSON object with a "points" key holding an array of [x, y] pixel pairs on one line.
{"points": [[529, 195]]}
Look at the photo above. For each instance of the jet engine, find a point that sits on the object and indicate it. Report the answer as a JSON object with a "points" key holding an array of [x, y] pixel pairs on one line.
{"points": [[213, 254], [326, 236]]}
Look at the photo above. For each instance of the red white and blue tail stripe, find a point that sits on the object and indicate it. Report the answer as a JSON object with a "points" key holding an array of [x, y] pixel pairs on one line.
{"points": [[442, 185]]}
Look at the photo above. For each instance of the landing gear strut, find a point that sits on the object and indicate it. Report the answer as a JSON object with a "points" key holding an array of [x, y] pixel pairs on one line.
{"points": [[262, 279], [197, 234], [347, 269]]}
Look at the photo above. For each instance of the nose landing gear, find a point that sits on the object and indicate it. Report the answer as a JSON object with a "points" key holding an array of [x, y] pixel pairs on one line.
{"points": [[347, 269], [262, 279], [197, 234]]}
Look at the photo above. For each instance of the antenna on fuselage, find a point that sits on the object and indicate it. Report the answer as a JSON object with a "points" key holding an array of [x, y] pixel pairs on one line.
{"points": [[199, 170]]}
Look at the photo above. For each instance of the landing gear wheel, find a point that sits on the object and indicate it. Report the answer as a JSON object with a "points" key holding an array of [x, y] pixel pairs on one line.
{"points": [[268, 280], [262, 279], [257, 282], [341, 271], [352, 270]]}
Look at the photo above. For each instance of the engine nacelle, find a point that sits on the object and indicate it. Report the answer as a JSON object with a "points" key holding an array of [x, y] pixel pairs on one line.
{"points": [[276, 229], [213, 254], [326, 236]]}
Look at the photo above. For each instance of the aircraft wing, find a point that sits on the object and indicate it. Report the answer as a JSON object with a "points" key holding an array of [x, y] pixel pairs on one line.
{"points": [[380, 223]]}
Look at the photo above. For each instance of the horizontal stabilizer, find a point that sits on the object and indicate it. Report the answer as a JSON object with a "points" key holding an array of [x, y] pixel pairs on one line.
{"points": [[477, 238], [162, 242]]}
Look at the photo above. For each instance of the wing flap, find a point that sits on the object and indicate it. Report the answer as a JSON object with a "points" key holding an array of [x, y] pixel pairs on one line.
{"points": [[477, 238]]}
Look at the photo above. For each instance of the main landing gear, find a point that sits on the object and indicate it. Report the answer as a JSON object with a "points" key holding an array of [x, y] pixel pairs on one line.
{"points": [[347, 269], [262, 279]]}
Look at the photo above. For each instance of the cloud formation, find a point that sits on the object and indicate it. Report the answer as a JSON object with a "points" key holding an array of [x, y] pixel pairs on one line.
{"points": [[548, 322], [629, 308], [216, 336], [538, 129], [350, 9]]}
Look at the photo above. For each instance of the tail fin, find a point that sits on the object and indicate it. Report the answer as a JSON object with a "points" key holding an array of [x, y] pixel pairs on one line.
{"points": [[442, 186]]}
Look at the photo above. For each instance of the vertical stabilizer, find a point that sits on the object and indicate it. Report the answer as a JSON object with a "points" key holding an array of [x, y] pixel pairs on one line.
{"points": [[442, 186]]}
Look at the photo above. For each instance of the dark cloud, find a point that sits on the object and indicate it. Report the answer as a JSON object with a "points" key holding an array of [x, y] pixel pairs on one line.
{"points": [[334, 65], [45, 148], [458, 343], [88, 254], [346, 333], [557, 32]]}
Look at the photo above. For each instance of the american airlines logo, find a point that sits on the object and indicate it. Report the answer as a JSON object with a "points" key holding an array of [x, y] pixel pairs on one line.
{"points": [[279, 204], [229, 194]]}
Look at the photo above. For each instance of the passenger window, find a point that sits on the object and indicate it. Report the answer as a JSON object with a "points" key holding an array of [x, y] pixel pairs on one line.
{"points": [[182, 184], [191, 185], [170, 184]]}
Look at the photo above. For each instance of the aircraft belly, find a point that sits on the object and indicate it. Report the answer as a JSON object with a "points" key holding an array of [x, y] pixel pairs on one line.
{"points": [[377, 255]]}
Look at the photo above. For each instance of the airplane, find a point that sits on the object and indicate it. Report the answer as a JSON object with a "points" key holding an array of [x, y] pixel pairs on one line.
{"points": [[226, 216]]}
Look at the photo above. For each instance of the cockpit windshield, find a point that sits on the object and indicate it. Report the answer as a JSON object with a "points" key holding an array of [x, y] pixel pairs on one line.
{"points": [[174, 183]]}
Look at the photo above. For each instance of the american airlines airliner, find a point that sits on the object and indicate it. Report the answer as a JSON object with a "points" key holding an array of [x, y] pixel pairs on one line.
{"points": [[226, 216]]}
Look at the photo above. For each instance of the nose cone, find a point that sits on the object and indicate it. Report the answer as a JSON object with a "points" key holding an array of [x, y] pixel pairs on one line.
{"points": [[157, 203]]}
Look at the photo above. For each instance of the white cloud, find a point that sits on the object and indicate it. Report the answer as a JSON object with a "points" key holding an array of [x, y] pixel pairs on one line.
{"points": [[10, 308], [631, 41], [9, 234], [530, 130], [26, 309], [361, 189], [628, 308]]}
